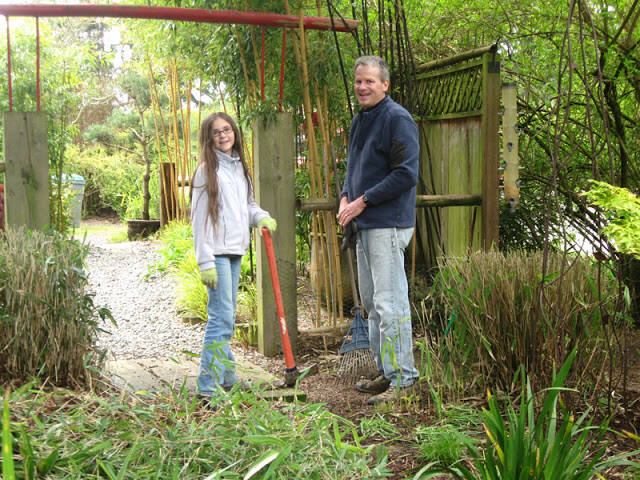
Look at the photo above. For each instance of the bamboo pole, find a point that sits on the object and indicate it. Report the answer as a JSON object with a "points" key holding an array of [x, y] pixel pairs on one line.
{"points": [[323, 116], [244, 67], [256, 55], [174, 128], [224, 107], [306, 106], [200, 102], [333, 179], [314, 161], [167, 195], [316, 219]]}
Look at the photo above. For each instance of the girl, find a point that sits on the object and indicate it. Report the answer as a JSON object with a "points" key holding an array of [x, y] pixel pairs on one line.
{"points": [[222, 210]]}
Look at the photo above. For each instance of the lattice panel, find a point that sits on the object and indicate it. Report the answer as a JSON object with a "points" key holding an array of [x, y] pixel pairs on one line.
{"points": [[451, 92]]}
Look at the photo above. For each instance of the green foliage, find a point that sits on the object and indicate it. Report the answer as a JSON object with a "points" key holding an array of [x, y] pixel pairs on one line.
{"points": [[377, 426], [303, 219], [178, 257], [440, 443], [8, 471], [59, 205], [622, 211], [47, 317], [112, 181], [538, 445], [175, 437], [192, 295], [177, 240], [135, 200], [492, 312]]}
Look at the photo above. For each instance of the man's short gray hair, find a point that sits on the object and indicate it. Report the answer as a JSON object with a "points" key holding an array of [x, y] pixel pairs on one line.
{"points": [[374, 61]]}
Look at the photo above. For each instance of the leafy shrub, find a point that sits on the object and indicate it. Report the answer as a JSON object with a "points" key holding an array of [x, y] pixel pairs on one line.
{"points": [[113, 182], [538, 445], [497, 312], [192, 295], [177, 240], [622, 209], [178, 257], [48, 321]]}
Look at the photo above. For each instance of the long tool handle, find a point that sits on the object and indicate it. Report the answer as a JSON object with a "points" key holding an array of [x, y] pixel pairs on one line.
{"points": [[271, 257]]}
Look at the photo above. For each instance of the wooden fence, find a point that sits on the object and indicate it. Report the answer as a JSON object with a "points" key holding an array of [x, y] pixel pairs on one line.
{"points": [[457, 108]]}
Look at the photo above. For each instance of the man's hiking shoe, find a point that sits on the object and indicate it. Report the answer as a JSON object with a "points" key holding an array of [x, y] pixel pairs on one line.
{"points": [[373, 385], [393, 394]]}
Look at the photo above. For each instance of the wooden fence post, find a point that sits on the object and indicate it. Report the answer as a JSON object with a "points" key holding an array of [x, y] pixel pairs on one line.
{"points": [[490, 148], [274, 174], [26, 156]]}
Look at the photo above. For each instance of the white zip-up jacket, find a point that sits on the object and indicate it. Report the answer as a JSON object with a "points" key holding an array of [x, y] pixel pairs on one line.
{"points": [[238, 211]]}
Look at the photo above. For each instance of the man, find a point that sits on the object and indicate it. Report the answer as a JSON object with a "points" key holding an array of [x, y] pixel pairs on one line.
{"points": [[379, 194]]}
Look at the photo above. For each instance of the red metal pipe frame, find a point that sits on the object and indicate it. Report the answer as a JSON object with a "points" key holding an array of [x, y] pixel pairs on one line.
{"points": [[167, 13], [175, 13]]}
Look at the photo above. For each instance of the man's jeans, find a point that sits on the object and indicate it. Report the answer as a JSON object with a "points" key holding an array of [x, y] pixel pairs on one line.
{"points": [[216, 361], [385, 296]]}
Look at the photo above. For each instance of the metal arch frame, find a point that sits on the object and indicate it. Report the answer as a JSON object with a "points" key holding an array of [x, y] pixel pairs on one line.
{"points": [[176, 13], [168, 13]]}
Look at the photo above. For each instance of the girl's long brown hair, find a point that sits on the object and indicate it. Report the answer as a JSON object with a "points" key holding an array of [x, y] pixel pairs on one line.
{"points": [[208, 159]]}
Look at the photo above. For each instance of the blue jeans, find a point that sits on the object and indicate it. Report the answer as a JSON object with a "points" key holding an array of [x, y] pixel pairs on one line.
{"points": [[385, 296], [216, 360]]}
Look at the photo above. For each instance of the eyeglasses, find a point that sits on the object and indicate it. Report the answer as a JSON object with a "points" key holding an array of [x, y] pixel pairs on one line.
{"points": [[225, 130]]}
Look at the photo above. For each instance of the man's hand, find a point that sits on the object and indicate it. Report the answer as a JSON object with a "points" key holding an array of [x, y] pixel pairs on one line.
{"points": [[268, 222], [350, 210], [210, 278]]}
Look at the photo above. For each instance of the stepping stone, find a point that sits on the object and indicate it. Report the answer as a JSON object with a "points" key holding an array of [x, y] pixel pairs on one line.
{"points": [[152, 375]]}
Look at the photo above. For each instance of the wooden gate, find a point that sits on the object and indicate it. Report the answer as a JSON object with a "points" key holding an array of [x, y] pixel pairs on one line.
{"points": [[457, 108]]}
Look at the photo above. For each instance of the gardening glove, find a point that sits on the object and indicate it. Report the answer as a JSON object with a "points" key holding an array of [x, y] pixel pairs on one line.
{"points": [[210, 278], [350, 236], [268, 222]]}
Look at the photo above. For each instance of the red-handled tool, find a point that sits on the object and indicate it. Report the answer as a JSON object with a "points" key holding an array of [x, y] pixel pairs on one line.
{"points": [[291, 372]]}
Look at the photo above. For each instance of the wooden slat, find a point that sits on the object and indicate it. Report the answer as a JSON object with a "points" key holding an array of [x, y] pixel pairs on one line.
{"points": [[443, 62], [476, 64], [451, 200]]}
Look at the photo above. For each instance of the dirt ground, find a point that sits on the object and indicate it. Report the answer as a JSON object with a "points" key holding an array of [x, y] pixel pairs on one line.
{"points": [[342, 399]]}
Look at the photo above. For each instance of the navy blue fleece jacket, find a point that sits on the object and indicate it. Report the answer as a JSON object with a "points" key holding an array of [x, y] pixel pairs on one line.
{"points": [[383, 164]]}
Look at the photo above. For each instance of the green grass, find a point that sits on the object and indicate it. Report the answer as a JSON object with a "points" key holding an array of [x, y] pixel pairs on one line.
{"points": [[61, 434], [115, 233]]}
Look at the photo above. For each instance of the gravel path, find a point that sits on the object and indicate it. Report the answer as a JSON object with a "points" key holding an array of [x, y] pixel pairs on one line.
{"points": [[148, 326], [147, 322]]}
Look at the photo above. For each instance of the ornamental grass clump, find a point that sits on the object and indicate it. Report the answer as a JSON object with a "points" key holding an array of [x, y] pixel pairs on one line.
{"points": [[537, 442], [58, 434], [48, 320], [498, 311]]}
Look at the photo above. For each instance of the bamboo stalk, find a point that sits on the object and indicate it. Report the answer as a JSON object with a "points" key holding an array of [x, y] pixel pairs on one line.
{"points": [[311, 143], [315, 162], [200, 103], [157, 112], [323, 116], [176, 136], [224, 107], [186, 140], [244, 67]]}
